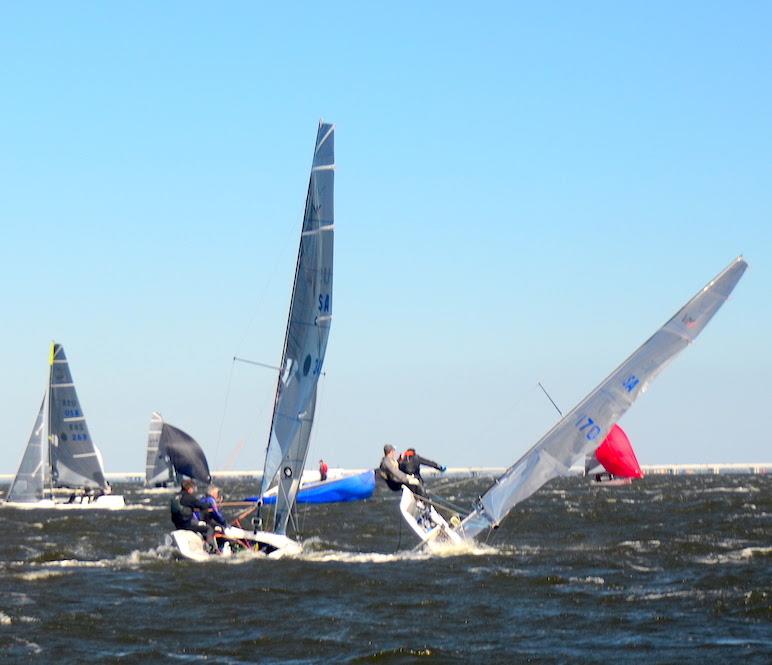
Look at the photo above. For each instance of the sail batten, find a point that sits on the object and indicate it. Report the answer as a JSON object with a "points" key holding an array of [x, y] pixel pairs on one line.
{"points": [[308, 327], [583, 428]]}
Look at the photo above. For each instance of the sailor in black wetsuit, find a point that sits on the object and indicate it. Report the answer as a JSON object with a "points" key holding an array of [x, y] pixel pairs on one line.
{"points": [[185, 507], [410, 463]]}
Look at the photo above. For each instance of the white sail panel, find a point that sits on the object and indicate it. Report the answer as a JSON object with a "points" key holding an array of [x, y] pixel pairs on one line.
{"points": [[33, 475], [308, 329], [76, 462], [587, 425]]}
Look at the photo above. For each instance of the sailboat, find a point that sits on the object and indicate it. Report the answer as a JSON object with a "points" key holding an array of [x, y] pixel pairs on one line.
{"points": [[171, 455], [613, 462], [578, 431], [60, 452], [305, 344]]}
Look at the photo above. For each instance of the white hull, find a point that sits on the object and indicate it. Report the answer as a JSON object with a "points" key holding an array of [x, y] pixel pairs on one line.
{"points": [[614, 482], [105, 502], [191, 545], [435, 533]]}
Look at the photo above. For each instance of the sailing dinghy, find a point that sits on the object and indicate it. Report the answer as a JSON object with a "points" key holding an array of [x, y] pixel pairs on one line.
{"points": [[613, 462], [172, 455], [60, 453], [305, 344], [579, 431]]}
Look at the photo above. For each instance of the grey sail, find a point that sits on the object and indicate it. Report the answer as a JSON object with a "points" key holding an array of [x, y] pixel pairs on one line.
{"points": [[171, 453], [158, 470], [585, 426], [308, 328], [75, 460], [185, 455], [33, 477]]}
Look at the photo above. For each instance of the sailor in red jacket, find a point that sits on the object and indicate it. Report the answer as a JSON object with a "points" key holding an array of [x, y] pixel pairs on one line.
{"points": [[323, 468]]}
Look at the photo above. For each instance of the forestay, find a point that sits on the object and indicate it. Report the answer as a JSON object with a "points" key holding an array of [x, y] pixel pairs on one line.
{"points": [[308, 328], [587, 424]]}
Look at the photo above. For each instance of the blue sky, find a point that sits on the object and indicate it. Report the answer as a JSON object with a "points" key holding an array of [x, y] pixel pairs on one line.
{"points": [[523, 193]]}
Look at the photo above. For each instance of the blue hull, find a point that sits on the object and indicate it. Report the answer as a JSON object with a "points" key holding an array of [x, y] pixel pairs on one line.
{"points": [[350, 488]]}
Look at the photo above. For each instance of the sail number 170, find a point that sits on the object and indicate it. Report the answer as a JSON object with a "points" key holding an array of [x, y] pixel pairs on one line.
{"points": [[588, 427]]}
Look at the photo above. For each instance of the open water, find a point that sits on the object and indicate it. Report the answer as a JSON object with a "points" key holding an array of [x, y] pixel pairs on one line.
{"points": [[671, 569]]}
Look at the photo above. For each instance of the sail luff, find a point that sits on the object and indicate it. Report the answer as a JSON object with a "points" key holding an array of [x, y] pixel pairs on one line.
{"points": [[269, 449], [581, 429]]}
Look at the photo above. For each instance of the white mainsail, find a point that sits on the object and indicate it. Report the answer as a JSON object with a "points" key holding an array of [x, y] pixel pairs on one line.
{"points": [[157, 467], [587, 424], [308, 328]]}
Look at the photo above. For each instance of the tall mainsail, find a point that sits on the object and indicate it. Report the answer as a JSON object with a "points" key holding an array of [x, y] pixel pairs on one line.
{"points": [[75, 460], [587, 424], [308, 328], [171, 451], [34, 474]]}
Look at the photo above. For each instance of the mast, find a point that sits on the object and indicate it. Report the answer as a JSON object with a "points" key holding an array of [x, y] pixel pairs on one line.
{"points": [[47, 425]]}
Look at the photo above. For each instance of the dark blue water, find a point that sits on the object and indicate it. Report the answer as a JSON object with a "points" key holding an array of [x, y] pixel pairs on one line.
{"points": [[671, 569]]}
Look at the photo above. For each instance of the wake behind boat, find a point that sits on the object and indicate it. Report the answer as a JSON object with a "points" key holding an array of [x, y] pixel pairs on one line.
{"points": [[305, 344], [579, 431], [60, 452]]}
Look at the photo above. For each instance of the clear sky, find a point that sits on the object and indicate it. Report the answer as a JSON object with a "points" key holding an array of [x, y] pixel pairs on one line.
{"points": [[524, 192]]}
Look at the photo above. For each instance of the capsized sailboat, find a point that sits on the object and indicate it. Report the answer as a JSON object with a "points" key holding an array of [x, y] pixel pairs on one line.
{"points": [[305, 344], [579, 431], [60, 452], [172, 454], [338, 488]]}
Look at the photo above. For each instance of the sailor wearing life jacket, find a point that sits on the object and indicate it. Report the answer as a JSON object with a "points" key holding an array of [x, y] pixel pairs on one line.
{"points": [[395, 479], [186, 507], [410, 462]]}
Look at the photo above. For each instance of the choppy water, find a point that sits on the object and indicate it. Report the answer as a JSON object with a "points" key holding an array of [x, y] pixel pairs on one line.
{"points": [[672, 569]]}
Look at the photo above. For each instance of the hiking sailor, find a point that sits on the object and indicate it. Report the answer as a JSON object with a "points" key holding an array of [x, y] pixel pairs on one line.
{"points": [[410, 462], [186, 511], [395, 479]]}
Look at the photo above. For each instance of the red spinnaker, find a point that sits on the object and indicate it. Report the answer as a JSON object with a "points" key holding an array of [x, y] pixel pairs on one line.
{"points": [[617, 456]]}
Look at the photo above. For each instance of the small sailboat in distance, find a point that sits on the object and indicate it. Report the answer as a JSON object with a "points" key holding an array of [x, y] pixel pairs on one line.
{"points": [[579, 431], [613, 462], [60, 453], [305, 344], [172, 454]]}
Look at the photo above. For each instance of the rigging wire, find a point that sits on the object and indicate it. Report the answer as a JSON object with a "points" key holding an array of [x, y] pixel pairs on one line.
{"points": [[224, 412]]}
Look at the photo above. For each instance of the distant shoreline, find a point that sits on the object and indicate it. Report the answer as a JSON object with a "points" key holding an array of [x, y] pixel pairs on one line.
{"points": [[746, 468]]}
